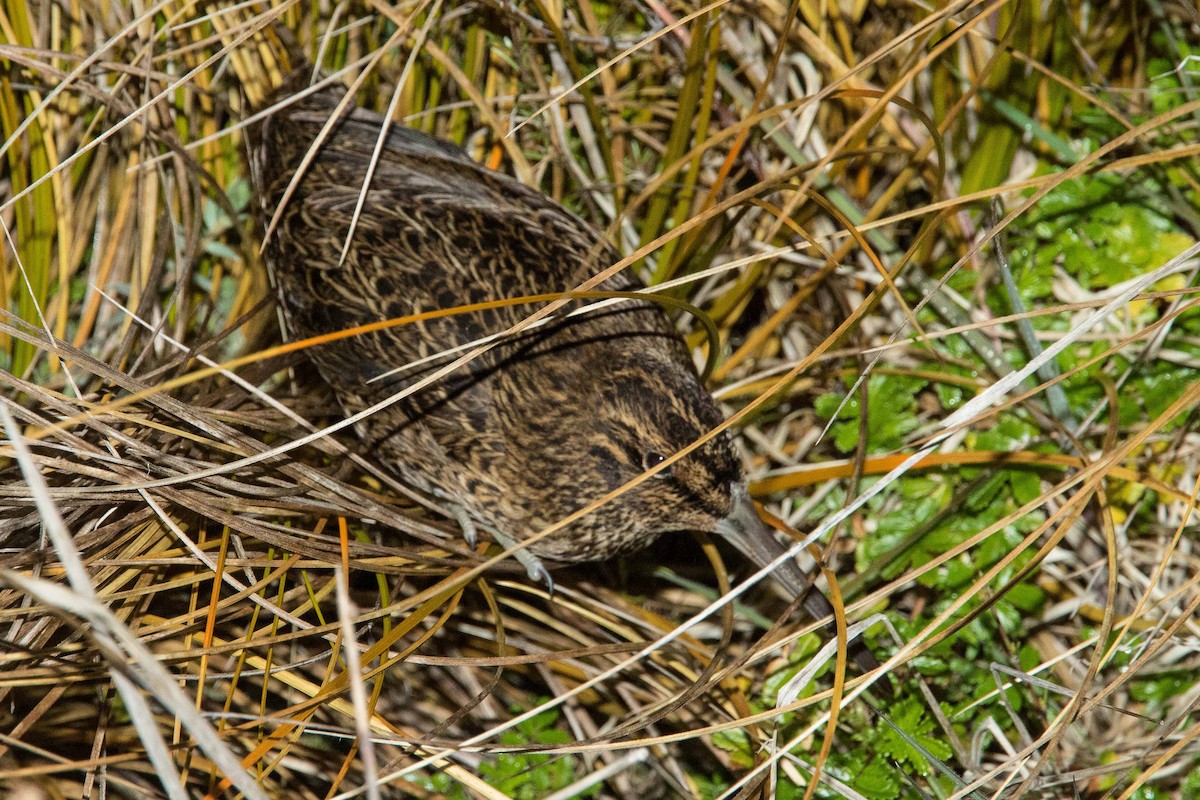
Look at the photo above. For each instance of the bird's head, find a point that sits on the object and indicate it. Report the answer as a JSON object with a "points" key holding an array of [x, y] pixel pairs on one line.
{"points": [[615, 420], [638, 415]]}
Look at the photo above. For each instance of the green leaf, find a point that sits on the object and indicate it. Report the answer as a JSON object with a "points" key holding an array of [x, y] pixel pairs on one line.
{"points": [[1157, 691], [891, 415], [1191, 784], [736, 742], [238, 193], [712, 787], [530, 775], [877, 781], [1026, 485], [1027, 597], [909, 716]]}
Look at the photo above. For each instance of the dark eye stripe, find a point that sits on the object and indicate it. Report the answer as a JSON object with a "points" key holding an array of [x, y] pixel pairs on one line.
{"points": [[697, 500], [633, 453]]}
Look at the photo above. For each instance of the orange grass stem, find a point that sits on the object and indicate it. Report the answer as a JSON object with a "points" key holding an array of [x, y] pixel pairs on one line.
{"points": [[808, 475]]}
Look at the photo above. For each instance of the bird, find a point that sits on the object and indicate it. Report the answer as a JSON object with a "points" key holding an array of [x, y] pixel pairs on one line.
{"points": [[545, 421]]}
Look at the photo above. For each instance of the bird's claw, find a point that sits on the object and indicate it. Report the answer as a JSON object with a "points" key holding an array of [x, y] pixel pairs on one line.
{"points": [[534, 567], [539, 574]]}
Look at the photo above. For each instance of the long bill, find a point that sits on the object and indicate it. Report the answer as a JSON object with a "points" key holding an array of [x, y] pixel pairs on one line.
{"points": [[746, 531]]}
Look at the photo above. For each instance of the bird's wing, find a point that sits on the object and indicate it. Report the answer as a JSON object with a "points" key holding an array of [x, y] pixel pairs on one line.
{"points": [[436, 231]]}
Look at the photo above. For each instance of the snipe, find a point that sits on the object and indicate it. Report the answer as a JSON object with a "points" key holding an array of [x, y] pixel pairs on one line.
{"points": [[544, 422]]}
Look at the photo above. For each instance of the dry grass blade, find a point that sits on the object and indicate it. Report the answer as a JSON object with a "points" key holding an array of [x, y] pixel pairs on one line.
{"points": [[201, 560], [118, 644]]}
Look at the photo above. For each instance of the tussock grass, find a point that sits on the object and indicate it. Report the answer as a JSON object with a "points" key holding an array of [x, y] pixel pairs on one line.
{"points": [[1007, 474]]}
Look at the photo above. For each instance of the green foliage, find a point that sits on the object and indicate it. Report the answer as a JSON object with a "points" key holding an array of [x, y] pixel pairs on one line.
{"points": [[710, 787], [1098, 230], [736, 742], [1100, 233], [891, 413], [802, 651], [1150, 793], [872, 766], [530, 775], [1167, 88], [218, 225], [521, 775], [1191, 784], [1157, 691], [1103, 231], [442, 785], [910, 717]]}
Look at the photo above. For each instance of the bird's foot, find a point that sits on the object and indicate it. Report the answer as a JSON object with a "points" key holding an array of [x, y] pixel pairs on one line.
{"points": [[470, 531], [533, 565]]}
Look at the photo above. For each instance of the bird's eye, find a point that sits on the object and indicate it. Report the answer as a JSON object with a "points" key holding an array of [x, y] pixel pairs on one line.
{"points": [[653, 459]]}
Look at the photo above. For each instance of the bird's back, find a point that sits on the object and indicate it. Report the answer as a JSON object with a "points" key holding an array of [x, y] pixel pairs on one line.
{"points": [[439, 231], [436, 230]]}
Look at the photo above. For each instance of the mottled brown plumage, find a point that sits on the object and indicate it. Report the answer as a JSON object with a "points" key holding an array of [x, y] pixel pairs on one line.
{"points": [[540, 425]]}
